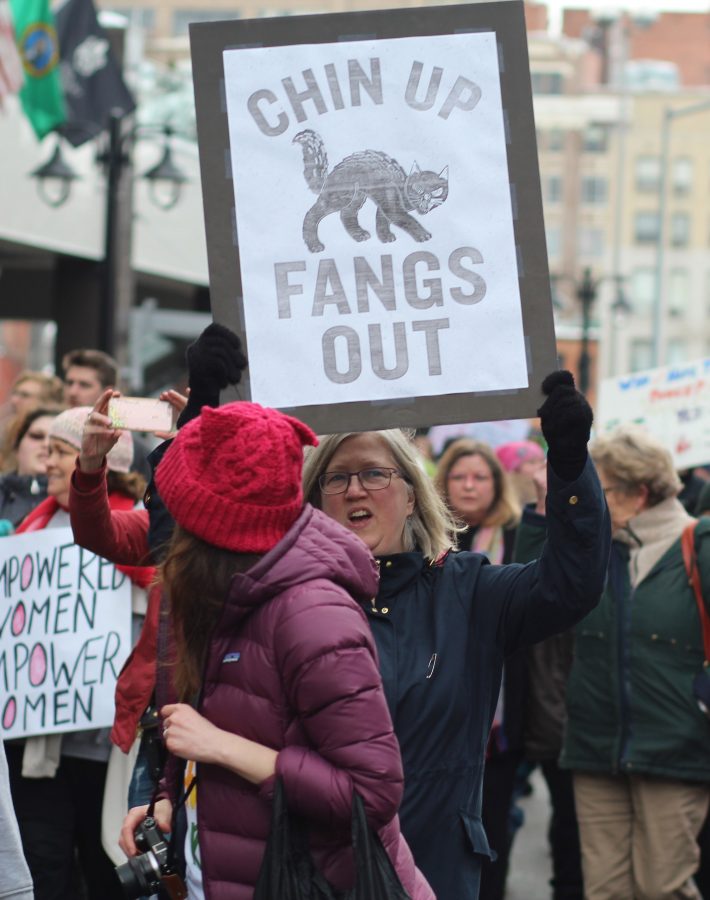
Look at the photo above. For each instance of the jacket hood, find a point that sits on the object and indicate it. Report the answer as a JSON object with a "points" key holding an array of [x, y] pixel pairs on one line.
{"points": [[315, 546]]}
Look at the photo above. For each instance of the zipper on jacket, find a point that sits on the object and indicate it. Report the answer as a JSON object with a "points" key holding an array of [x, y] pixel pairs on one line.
{"points": [[625, 677]]}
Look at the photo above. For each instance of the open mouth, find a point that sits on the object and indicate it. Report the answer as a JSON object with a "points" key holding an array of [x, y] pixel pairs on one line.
{"points": [[358, 518]]}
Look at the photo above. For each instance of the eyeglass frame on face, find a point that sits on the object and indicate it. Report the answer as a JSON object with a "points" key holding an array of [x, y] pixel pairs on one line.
{"points": [[359, 475]]}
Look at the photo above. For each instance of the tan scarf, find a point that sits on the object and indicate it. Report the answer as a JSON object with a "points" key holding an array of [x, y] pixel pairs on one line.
{"points": [[650, 534]]}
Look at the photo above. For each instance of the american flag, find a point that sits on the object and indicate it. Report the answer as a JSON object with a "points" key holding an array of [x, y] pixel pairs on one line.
{"points": [[11, 76]]}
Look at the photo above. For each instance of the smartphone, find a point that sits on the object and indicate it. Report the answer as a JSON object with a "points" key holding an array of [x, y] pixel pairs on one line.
{"points": [[141, 414]]}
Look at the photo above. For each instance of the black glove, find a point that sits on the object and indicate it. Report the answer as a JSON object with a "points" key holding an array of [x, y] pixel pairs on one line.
{"points": [[566, 420], [214, 360]]}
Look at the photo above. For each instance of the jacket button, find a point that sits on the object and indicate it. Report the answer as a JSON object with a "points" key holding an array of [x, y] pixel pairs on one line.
{"points": [[388, 564], [385, 610], [574, 500]]}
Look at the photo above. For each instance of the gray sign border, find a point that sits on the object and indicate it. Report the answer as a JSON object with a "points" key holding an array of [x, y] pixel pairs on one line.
{"points": [[209, 40]]}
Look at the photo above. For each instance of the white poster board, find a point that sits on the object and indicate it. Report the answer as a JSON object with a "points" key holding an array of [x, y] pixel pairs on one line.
{"points": [[672, 402], [375, 219], [373, 213], [65, 632]]}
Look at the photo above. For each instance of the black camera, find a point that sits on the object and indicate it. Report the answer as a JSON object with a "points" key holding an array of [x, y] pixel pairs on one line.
{"points": [[151, 871]]}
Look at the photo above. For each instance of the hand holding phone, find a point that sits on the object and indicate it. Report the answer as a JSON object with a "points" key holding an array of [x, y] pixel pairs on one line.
{"points": [[141, 414]]}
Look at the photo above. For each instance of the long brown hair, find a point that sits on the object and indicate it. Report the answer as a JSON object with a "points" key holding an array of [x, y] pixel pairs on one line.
{"points": [[505, 509], [132, 484], [196, 576]]}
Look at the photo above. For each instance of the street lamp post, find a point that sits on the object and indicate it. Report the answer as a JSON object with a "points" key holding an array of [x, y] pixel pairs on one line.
{"points": [[116, 160], [586, 293]]}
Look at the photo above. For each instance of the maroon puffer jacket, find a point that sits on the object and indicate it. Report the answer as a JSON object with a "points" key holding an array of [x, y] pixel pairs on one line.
{"points": [[293, 665]]}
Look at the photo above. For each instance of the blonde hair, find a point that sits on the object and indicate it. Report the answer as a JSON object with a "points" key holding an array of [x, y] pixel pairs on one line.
{"points": [[634, 458], [505, 509], [431, 528]]}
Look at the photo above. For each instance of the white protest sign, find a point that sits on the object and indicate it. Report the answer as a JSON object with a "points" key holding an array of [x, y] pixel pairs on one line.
{"points": [[672, 402], [65, 632], [374, 219]]}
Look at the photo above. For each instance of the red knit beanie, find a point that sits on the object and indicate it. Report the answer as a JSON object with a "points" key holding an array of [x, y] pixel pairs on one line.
{"points": [[232, 476]]}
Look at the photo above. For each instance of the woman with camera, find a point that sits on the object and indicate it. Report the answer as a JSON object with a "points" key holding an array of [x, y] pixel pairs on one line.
{"points": [[274, 664], [636, 738]]}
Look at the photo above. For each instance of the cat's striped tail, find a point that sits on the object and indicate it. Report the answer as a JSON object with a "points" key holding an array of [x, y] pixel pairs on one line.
{"points": [[315, 159]]}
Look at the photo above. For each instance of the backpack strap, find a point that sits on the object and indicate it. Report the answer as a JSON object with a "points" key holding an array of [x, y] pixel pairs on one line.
{"points": [[690, 559]]}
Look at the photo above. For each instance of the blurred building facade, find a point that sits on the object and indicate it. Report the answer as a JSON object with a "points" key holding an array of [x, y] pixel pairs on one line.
{"points": [[601, 88]]}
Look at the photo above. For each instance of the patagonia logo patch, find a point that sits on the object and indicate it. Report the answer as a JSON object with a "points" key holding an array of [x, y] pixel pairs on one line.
{"points": [[232, 657]]}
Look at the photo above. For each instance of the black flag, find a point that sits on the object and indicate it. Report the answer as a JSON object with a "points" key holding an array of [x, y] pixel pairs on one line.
{"points": [[91, 78]]}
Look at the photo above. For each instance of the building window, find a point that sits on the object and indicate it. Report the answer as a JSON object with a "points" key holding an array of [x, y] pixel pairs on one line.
{"points": [[648, 174], [676, 352], [547, 82], [641, 354], [643, 288], [682, 176], [590, 243], [595, 138], [554, 242], [137, 17], [555, 142], [678, 291], [553, 189], [646, 227], [183, 17], [680, 229], [593, 189]]}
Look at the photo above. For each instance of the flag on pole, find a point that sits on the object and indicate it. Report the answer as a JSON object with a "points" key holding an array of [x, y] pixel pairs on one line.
{"points": [[91, 77], [11, 78], [41, 94]]}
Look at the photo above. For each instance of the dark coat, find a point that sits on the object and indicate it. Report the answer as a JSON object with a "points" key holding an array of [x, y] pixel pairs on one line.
{"points": [[630, 702], [442, 634], [548, 662], [292, 665], [20, 494]]}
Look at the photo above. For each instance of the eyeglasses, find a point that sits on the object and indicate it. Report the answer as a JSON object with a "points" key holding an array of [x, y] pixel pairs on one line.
{"points": [[374, 479]]}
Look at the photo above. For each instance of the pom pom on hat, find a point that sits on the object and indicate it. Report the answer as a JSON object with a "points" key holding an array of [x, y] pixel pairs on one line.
{"points": [[232, 476], [69, 425], [515, 453]]}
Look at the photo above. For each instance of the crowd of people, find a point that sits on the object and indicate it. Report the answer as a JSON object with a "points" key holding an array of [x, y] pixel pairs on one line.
{"points": [[353, 622]]}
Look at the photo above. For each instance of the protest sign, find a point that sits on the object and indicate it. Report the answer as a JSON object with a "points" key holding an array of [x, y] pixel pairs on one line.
{"points": [[672, 403], [373, 215], [65, 632]]}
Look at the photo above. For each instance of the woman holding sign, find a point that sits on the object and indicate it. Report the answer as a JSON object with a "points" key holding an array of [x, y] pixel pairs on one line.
{"points": [[57, 781], [444, 621]]}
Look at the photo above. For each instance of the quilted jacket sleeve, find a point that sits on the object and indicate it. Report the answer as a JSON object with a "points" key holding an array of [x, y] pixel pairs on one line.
{"points": [[329, 666], [119, 536]]}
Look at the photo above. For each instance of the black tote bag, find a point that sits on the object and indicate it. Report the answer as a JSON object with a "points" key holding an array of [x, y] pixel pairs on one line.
{"points": [[288, 872]]}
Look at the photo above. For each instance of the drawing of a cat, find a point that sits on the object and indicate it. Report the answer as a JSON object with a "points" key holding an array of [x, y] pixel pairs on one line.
{"points": [[368, 174]]}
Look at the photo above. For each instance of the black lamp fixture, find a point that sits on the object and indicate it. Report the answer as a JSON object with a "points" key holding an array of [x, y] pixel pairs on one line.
{"points": [[165, 179], [54, 178]]}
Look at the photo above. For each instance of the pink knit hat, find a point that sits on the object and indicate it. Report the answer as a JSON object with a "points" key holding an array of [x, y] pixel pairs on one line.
{"points": [[515, 453], [69, 425], [232, 476]]}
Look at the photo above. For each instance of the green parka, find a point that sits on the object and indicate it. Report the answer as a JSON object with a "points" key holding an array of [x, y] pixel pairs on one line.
{"points": [[630, 702]]}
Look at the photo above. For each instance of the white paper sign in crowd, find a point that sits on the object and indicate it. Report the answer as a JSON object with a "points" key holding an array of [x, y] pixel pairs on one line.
{"points": [[672, 402], [65, 617], [374, 219]]}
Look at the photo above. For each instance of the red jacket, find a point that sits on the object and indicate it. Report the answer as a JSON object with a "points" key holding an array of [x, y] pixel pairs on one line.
{"points": [[292, 664], [119, 534]]}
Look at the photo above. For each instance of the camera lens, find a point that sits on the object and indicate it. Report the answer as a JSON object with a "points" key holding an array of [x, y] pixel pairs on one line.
{"points": [[139, 876]]}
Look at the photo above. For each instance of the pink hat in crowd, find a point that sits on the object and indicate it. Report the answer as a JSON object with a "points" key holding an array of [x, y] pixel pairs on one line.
{"points": [[514, 454]]}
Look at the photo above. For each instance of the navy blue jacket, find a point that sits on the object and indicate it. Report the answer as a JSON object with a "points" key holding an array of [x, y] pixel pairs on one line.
{"points": [[442, 633]]}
